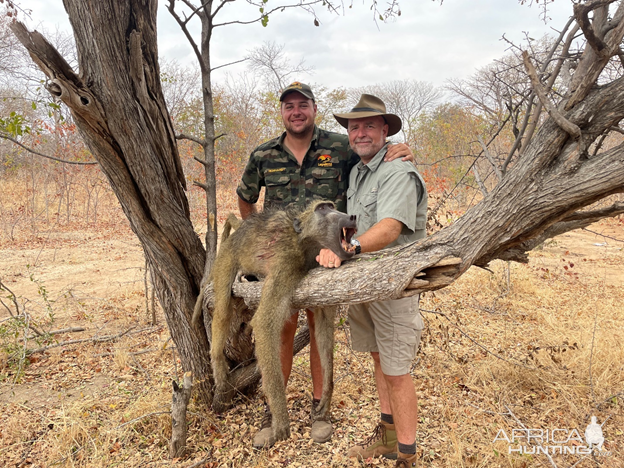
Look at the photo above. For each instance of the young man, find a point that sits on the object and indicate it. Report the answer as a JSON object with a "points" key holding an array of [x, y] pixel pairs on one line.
{"points": [[390, 201], [303, 164]]}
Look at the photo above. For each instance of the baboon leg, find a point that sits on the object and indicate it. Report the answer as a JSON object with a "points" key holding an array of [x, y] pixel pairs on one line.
{"points": [[267, 324], [225, 272], [324, 334]]}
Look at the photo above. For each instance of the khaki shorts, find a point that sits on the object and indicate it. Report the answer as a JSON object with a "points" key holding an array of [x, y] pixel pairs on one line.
{"points": [[391, 328]]}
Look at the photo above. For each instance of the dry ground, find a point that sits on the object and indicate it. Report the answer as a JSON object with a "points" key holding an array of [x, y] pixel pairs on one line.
{"points": [[539, 346]]}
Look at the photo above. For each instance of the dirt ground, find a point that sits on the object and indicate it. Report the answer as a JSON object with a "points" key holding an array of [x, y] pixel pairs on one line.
{"points": [[492, 357]]}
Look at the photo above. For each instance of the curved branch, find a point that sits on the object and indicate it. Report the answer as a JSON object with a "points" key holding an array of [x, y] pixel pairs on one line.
{"points": [[184, 136], [282, 8], [186, 32], [572, 129], [581, 13], [30, 150]]}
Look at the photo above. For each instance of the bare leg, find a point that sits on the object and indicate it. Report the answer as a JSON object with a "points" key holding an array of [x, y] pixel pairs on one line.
{"points": [[382, 388], [397, 396]]}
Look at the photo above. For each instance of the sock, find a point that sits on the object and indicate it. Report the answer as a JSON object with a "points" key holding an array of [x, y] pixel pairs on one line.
{"points": [[388, 419], [407, 449]]}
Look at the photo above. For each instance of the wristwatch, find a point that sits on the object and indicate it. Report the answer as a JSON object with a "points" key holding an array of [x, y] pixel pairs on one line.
{"points": [[358, 247]]}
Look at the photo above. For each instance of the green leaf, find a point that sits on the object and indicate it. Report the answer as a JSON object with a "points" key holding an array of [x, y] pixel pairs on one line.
{"points": [[34, 105], [265, 21]]}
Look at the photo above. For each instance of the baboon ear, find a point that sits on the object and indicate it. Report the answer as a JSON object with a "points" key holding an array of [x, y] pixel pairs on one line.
{"points": [[297, 225]]}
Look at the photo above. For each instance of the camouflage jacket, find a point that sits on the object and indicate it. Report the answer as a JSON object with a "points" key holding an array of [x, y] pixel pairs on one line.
{"points": [[323, 174]]}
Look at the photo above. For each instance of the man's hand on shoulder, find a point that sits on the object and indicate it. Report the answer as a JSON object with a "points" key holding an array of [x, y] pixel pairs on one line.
{"points": [[399, 150], [328, 259]]}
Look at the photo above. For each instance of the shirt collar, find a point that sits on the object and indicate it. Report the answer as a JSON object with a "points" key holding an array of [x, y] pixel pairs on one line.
{"points": [[374, 163]]}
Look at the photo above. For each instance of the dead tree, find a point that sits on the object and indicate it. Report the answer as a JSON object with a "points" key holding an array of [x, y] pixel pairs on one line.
{"points": [[117, 103]]}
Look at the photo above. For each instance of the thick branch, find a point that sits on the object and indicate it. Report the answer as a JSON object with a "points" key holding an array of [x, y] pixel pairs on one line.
{"points": [[565, 124], [577, 220], [581, 13]]}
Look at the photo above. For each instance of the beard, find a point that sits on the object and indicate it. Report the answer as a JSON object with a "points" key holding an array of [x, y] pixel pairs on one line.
{"points": [[298, 129], [366, 150]]}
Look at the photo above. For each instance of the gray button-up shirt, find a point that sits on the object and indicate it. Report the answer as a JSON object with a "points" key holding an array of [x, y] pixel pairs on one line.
{"points": [[394, 189]]}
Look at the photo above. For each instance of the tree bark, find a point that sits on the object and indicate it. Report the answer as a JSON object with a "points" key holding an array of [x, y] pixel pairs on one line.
{"points": [[119, 108], [179, 402]]}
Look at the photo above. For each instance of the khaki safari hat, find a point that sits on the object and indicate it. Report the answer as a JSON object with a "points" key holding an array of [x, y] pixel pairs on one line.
{"points": [[297, 87], [371, 106]]}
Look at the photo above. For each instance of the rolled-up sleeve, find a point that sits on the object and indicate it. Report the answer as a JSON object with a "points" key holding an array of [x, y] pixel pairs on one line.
{"points": [[251, 181]]}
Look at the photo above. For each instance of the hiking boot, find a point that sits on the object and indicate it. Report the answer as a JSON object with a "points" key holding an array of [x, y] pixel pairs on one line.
{"points": [[322, 428], [321, 431], [405, 460], [264, 437], [383, 441]]}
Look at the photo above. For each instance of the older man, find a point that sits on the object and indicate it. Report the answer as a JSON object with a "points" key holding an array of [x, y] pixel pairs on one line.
{"points": [[390, 201], [303, 164]]}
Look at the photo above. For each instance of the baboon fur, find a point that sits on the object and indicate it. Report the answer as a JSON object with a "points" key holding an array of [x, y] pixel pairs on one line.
{"points": [[281, 247]]}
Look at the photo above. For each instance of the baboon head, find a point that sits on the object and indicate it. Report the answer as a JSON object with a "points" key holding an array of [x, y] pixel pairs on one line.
{"points": [[331, 229]]}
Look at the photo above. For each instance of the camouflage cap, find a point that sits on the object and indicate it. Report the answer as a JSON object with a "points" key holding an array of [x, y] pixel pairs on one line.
{"points": [[297, 87]]}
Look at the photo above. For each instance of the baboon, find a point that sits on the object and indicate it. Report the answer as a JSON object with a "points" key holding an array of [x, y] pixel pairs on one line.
{"points": [[232, 222], [281, 247]]}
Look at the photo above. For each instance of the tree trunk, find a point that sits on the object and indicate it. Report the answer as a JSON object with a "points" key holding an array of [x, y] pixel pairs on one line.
{"points": [[118, 105]]}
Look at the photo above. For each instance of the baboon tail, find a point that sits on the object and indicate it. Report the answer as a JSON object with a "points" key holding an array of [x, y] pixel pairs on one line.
{"points": [[232, 222]]}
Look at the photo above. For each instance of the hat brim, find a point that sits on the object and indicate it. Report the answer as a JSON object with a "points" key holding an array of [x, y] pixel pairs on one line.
{"points": [[304, 93], [393, 121]]}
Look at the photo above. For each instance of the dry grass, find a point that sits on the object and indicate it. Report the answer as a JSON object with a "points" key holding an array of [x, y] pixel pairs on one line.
{"points": [[503, 354], [539, 345]]}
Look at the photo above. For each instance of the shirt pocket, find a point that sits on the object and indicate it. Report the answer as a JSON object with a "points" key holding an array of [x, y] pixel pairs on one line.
{"points": [[325, 184], [369, 205], [277, 187]]}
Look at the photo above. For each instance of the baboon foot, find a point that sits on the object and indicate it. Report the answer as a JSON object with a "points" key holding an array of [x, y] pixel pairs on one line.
{"points": [[281, 432], [221, 400]]}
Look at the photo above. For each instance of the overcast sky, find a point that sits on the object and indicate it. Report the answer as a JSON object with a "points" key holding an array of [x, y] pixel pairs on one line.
{"points": [[428, 42]]}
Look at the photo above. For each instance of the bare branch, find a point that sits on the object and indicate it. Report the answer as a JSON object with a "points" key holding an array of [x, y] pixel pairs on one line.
{"points": [[301, 4], [488, 156], [577, 220], [571, 128], [219, 8], [200, 184], [186, 32], [185, 136], [95, 339], [480, 183], [30, 150], [581, 13], [230, 63], [200, 161], [527, 136]]}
